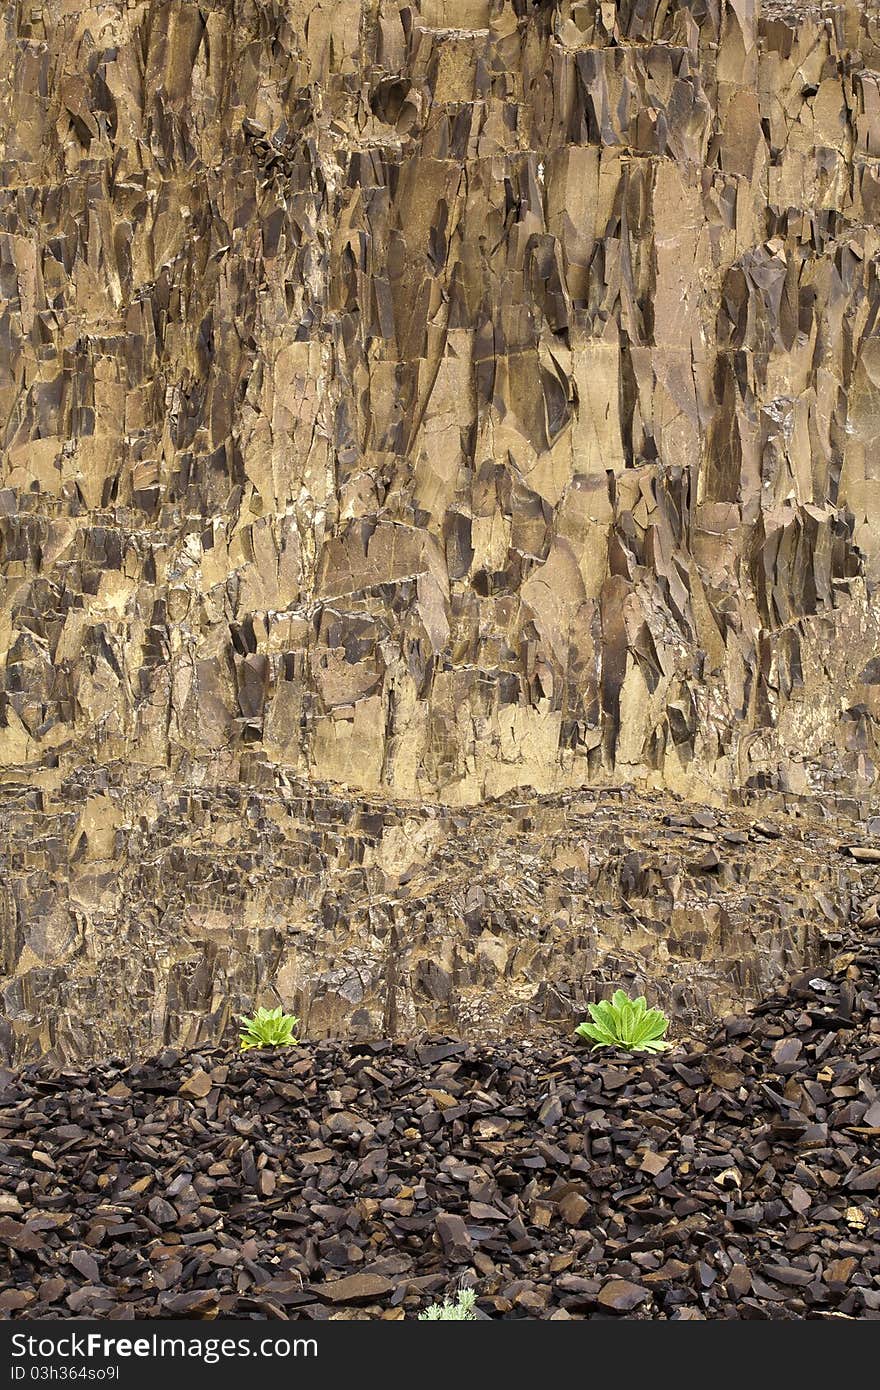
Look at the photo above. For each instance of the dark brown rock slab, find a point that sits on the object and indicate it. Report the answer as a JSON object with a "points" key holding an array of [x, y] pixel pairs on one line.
{"points": [[621, 1296], [355, 1288]]}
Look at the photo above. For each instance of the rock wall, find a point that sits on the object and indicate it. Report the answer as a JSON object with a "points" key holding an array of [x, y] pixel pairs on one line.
{"points": [[442, 397], [435, 399]]}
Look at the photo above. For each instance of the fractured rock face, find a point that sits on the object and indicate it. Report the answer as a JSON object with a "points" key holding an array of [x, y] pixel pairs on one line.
{"points": [[434, 398], [442, 397], [369, 918]]}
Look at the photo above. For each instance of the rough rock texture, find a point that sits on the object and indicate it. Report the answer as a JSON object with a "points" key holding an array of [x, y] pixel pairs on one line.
{"points": [[435, 399], [735, 1180], [374, 919], [441, 396]]}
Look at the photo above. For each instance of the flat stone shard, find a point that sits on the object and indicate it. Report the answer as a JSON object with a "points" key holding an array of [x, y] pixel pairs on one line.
{"points": [[621, 1296], [355, 1288], [449, 401], [198, 1085], [454, 1237]]}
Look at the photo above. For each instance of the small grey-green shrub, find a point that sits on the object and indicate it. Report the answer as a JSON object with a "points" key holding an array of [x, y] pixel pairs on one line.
{"points": [[462, 1310]]}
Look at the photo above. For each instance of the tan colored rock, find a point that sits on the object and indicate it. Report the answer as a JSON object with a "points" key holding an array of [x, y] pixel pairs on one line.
{"points": [[445, 401], [198, 1085], [237, 896]]}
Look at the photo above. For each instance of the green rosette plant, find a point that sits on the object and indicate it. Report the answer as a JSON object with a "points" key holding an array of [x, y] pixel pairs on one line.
{"points": [[625, 1023], [268, 1028]]}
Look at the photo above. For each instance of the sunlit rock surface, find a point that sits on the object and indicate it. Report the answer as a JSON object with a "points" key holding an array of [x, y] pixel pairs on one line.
{"points": [[429, 402]]}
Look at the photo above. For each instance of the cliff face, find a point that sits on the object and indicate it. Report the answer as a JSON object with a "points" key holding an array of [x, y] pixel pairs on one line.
{"points": [[434, 398]]}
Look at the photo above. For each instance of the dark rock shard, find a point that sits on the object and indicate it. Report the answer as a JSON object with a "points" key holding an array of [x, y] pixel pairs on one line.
{"points": [[454, 1237], [621, 1296]]}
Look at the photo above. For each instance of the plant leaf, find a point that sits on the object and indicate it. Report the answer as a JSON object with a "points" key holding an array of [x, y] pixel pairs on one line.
{"points": [[603, 1014]]}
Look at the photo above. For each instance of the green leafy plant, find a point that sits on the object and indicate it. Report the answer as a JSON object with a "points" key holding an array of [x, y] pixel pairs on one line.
{"points": [[627, 1023], [268, 1028], [461, 1310]]}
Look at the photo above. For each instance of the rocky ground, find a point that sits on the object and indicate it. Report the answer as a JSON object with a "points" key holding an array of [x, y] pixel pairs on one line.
{"points": [[738, 1177]]}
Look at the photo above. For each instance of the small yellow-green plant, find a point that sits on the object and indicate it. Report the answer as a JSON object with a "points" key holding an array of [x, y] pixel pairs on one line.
{"points": [[627, 1023], [461, 1310], [268, 1028]]}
